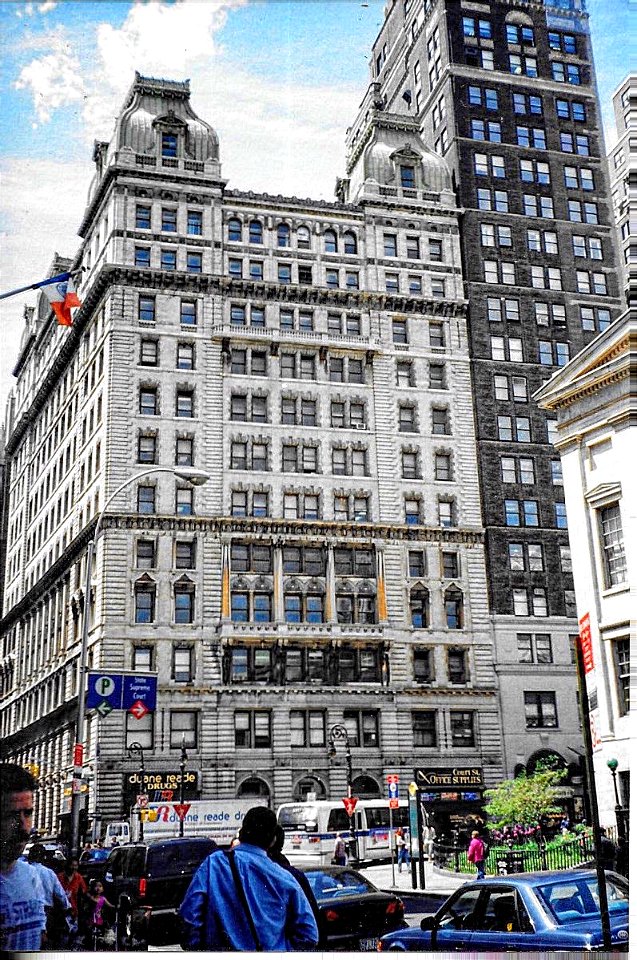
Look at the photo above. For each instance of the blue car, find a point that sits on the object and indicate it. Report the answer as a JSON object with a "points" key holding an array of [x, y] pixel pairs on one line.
{"points": [[557, 910]]}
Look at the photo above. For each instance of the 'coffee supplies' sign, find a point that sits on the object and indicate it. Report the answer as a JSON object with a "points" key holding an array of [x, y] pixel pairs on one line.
{"points": [[445, 777]]}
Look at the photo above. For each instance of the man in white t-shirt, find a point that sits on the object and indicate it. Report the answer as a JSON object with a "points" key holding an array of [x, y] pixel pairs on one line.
{"points": [[22, 896]]}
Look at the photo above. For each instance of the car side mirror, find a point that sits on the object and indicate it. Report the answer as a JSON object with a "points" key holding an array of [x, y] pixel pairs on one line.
{"points": [[427, 923]]}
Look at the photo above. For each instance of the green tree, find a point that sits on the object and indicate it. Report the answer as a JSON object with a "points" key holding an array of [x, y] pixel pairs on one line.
{"points": [[526, 799]]}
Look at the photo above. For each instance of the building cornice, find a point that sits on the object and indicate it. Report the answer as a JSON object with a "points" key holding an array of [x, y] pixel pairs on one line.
{"points": [[276, 527]]}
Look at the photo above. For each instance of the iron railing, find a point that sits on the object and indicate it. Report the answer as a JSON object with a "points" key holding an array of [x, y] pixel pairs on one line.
{"points": [[505, 859]]}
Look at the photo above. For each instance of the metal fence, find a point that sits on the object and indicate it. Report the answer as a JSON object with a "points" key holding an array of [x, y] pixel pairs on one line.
{"points": [[504, 859]]}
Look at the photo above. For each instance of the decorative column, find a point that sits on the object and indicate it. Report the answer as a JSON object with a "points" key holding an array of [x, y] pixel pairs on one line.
{"points": [[277, 570], [381, 593], [225, 581], [330, 587]]}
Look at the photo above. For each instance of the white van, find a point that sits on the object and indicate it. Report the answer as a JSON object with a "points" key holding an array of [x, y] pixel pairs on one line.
{"points": [[311, 828]]}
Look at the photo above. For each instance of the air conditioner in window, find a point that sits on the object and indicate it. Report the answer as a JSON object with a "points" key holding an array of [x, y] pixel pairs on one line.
{"points": [[359, 426]]}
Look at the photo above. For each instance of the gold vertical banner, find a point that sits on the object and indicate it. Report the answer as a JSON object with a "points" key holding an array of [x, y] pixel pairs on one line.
{"points": [[382, 594], [225, 581]]}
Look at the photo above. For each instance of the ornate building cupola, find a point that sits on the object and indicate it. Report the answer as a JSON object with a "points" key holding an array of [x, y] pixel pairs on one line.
{"points": [[157, 129], [387, 157]]}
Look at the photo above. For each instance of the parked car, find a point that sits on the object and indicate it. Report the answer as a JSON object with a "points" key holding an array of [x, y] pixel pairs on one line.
{"points": [[55, 853], [555, 910], [92, 864], [353, 912], [151, 878]]}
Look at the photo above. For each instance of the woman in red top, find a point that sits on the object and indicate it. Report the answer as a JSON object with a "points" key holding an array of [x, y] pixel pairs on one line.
{"points": [[74, 885], [475, 854]]}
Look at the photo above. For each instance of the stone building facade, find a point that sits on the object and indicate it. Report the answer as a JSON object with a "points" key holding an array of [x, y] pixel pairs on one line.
{"points": [[313, 359], [505, 91]]}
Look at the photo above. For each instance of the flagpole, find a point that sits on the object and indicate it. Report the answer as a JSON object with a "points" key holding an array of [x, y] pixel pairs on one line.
{"points": [[34, 286]]}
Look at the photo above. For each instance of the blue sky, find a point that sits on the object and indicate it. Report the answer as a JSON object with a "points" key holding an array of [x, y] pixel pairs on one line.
{"points": [[280, 80]]}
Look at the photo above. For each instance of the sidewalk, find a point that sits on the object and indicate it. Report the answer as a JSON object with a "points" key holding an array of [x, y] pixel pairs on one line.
{"points": [[437, 882]]}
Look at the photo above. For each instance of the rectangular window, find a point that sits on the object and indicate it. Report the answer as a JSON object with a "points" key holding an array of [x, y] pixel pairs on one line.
{"points": [[612, 542], [252, 729], [146, 310], [423, 724], [168, 260], [462, 728], [540, 709], [142, 217], [622, 666], [145, 551], [188, 313], [169, 220], [195, 223]]}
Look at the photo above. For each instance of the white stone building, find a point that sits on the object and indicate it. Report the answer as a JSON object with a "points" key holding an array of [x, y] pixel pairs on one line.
{"points": [[312, 358], [595, 399]]}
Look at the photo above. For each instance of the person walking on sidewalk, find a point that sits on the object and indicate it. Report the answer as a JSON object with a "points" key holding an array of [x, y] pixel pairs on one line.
{"points": [[476, 854], [340, 851], [402, 851]]}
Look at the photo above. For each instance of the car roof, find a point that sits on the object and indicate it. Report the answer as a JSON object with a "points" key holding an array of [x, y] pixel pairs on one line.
{"points": [[535, 878]]}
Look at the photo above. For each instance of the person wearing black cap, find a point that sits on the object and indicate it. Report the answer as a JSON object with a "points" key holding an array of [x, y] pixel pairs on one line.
{"points": [[242, 900]]}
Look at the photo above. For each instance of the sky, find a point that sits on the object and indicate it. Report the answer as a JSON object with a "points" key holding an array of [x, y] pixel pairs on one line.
{"points": [[280, 81]]}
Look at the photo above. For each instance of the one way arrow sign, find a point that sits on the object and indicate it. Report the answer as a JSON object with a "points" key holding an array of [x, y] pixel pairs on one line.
{"points": [[104, 708], [139, 709]]}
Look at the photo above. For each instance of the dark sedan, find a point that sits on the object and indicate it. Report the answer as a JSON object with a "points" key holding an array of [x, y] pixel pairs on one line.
{"points": [[353, 912], [557, 910]]}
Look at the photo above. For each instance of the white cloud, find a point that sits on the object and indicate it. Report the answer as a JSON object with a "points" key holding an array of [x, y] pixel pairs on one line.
{"points": [[47, 6], [41, 205], [275, 137], [54, 80]]}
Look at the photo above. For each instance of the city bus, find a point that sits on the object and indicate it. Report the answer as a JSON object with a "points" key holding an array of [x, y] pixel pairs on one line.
{"points": [[311, 827]]}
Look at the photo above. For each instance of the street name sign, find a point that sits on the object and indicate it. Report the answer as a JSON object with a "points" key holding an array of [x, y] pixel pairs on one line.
{"points": [[121, 691]]}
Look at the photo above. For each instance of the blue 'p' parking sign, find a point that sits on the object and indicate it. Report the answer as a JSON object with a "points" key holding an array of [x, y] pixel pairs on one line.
{"points": [[120, 691], [104, 686]]}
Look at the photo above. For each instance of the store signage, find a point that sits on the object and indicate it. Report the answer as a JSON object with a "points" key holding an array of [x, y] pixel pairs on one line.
{"points": [[162, 786], [444, 777], [586, 643]]}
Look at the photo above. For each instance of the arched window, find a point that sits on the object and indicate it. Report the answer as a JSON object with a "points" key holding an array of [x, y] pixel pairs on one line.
{"points": [[253, 787], [350, 243], [303, 238], [309, 785], [365, 788], [283, 235], [235, 230], [453, 608], [256, 231], [419, 607], [329, 241]]}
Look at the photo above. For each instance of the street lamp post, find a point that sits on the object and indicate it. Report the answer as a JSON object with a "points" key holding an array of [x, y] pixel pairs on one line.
{"points": [[132, 750], [182, 781], [197, 478], [612, 765], [339, 732]]}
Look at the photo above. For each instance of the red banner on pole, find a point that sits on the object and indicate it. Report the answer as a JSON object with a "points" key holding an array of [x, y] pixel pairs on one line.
{"points": [[350, 805], [78, 755], [586, 642]]}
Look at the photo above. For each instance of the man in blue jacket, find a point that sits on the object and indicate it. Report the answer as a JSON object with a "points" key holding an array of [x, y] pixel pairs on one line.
{"points": [[262, 908]]}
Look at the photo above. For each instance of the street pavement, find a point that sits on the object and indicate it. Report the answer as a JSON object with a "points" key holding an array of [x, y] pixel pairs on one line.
{"points": [[418, 902], [437, 882]]}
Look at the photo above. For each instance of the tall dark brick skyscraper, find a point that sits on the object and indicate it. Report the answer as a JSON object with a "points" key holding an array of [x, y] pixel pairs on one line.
{"points": [[505, 91]]}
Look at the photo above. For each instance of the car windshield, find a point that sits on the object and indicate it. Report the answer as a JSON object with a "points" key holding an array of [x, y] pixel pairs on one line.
{"points": [[101, 853], [578, 898], [345, 883], [298, 816]]}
